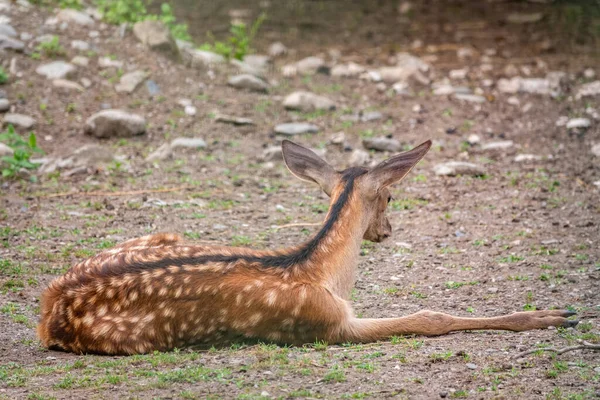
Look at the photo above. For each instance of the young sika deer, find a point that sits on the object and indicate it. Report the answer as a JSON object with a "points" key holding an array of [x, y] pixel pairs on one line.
{"points": [[158, 293]]}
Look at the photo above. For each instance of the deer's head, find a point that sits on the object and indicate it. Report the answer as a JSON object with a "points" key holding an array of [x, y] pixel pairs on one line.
{"points": [[369, 189]]}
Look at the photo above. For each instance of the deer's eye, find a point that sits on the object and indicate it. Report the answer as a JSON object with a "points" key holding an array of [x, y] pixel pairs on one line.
{"points": [[389, 199]]}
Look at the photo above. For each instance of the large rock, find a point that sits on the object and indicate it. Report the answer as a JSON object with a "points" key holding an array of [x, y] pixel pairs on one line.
{"points": [[453, 168], [115, 123], [69, 15], [7, 30], [296, 128], [19, 121], [307, 102], [56, 70], [9, 43], [156, 36], [129, 82], [247, 81]]}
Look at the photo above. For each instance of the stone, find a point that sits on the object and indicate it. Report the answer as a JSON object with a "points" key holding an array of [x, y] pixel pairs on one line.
{"points": [[157, 37], [453, 168], [578, 123], [248, 69], [508, 85], [458, 73], [190, 110], [349, 70], [471, 366], [309, 65], [80, 61], [68, 85], [470, 98], [277, 49], [382, 144], [407, 67], [130, 81], [527, 157], [307, 102], [596, 149], [152, 87], [22, 121], [188, 143], [80, 45], [115, 123], [359, 158], [524, 18], [542, 86], [228, 119], [500, 145], [4, 105], [588, 73], [473, 139], [7, 30], [199, 59], [106, 62], [588, 90], [88, 156], [371, 116], [69, 15], [85, 82], [272, 153], [9, 43], [296, 128], [5, 150], [247, 81], [56, 70], [162, 153]]}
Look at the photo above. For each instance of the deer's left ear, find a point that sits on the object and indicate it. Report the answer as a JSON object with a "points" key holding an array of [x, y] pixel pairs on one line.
{"points": [[307, 166], [394, 169]]}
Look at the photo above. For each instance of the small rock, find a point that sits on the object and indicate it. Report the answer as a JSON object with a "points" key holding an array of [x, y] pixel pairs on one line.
{"points": [[382, 144], [443, 394], [588, 73], [249, 69], [106, 62], [470, 98], [228, 119], [162, 153], [5, 150], [542, 86], [513, 101], [152, 87], [277, 49], [188, 143], [115, 123], [307, 102], [80, 61], [309, 65], [4, 105], [578, 123], [407, 67], [88, 156], [156, 36], [80, 45], [190, 110], [523, 18], [85, 82], [588, 90], [272, 153], [7, 30], [199, 59], [338, 138], [69, 15], [349, 70], [465, 52], [296, 128], [249, 82], [453, 168], [458, 73], [471, 365], [56, 70], [401, 88], [527, 157], [500, 145], [371, 116], [492, 290], [19, 121], [66, 84], [9, 43], [130, 81], [358, 158], [596, 149], [473, 139]]}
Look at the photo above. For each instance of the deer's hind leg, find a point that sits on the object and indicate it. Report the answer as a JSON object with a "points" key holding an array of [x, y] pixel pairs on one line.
{"points": [[430, 323]]}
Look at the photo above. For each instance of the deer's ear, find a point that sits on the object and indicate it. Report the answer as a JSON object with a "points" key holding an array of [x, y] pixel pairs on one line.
{"points": [[307, 166], [394, 169]]}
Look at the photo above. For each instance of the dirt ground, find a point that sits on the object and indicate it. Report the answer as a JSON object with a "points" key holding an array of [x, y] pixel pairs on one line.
{"points": [[525, 235]]}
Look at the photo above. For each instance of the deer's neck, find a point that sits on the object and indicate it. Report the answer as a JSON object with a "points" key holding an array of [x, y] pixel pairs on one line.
{"points": [[334, 249]]}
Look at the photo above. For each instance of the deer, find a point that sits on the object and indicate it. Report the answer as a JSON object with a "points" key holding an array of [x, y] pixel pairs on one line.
{"points": [[159, 292]]}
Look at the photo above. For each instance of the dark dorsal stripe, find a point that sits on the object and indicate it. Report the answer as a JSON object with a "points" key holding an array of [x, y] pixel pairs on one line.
{"points": [[284, 260]]}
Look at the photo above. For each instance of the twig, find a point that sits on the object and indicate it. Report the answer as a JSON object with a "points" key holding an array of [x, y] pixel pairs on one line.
{"points": [[129, 193], [300, 224], [582, 346]]}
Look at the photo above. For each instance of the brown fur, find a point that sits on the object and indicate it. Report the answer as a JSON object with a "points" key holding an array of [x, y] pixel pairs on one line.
{"points": [[149, 294]]}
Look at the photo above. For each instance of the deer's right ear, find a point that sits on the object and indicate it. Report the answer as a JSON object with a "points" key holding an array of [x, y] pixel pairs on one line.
{"points": [[307, 166]]}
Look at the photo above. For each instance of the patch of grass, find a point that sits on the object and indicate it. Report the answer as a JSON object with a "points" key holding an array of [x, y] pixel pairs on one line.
{"points": [[407, 204], [51, 48], [240, 240], [511, 258], [239, 41], [23, 150], [335, 374], [436, 357], [3, 76], [456, 285]]}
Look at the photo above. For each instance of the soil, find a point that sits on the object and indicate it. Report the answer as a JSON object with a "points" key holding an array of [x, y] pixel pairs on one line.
{"points": [[524, 235]]}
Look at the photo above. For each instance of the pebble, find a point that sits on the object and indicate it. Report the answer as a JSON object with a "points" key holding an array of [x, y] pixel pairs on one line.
{"points": [[453, 168], [87, 156], [349, 70], [5, 150], [190, 110], [4, 105], [85, 82], [156, 36], [130, 81], [272, 153], [69, 15], [7, 30], [407, 67], [56, 70], [382, 144], [500, 145], [160, 154], [80, 61], [228, 119], [9, 43], [588, 90], [358, 158], [115, 123], [473, 139], [19, 121], [296, 128], [80, 45], [248, 69], [596, 149], [589, 73], [527, 157], [106, 62], [247, 81], [152, 87], [307, 102], [188, 143], [578, 123], [200, 59], [458, 73], [68, 85], [309, 65], [277, 49], [470, 98]]}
